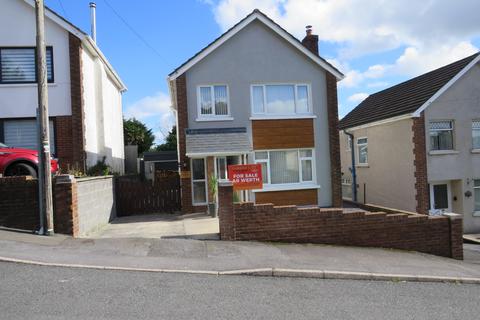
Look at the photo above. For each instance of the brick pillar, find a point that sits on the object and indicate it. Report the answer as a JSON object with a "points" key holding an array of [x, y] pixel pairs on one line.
{"points": [[64, 142], [180, 92], [77, 103], [456, 235], [420, 164], [334, 140], [226, 215], [65, 216]]}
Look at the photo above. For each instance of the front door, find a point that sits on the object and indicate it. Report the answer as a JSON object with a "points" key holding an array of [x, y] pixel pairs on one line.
{"points": [[440, 198]]}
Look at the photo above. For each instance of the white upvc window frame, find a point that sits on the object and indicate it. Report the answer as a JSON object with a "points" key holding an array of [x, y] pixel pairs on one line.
{"points": [[433, 210], [300, 168], [475, 210], [199, 180], [452, 130], [358, 145], [473, 130], [212, 116], [295, 114]]}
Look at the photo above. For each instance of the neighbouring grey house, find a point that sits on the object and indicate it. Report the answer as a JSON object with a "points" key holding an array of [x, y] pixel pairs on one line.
{"points": [[416, 146], [258, 95]]}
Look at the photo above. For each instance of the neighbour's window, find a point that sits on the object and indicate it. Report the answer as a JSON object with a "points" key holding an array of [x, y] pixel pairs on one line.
{"points": [[441, 135], [362, 148], [213, 101], [348, 143], [286, 166], [476, 134], [476, 189], [280, 99], [199, 181], [18, 65]]}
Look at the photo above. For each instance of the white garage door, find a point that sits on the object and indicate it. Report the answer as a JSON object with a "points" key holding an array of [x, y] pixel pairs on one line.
{"points": [[23, 134]]}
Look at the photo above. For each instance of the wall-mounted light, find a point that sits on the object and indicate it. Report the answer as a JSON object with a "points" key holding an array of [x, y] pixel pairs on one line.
{"points": [[468, 194]]}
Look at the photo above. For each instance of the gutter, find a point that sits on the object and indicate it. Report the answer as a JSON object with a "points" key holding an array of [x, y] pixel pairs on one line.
{"points": [[353, 169]]}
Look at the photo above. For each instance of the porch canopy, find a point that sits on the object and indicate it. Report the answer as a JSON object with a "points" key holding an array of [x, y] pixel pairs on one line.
{"points": [[217, 141]]}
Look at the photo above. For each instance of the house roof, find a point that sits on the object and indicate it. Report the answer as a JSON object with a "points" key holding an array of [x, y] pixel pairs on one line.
{"points": [[255, 15], [85, 38], [409, 97]]}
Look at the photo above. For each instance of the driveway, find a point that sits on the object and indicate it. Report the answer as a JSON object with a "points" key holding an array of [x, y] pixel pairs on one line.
{"points": [[191, 226]]}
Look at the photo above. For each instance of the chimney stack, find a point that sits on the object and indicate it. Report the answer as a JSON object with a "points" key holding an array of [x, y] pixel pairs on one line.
{"points": [[311, 40], [93, 21]]}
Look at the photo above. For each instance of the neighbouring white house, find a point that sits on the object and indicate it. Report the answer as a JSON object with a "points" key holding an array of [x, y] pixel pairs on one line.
{"points": [[84, 91]]}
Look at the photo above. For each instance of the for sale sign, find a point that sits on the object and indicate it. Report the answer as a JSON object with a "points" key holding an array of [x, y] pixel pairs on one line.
{"points": [[246, 176]]}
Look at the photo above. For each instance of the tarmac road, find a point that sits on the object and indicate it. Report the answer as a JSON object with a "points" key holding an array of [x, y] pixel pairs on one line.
{"points": [[35, 292]]}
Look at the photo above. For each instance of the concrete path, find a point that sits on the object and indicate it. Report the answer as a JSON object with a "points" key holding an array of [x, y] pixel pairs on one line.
{"points": [[190, 226], [224, 257]]}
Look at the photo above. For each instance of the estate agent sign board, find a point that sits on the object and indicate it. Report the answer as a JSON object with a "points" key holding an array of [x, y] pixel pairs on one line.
{"points": [[246, 176]]}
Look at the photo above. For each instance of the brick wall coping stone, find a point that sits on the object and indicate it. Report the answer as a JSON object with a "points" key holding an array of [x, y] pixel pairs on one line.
{"points": [[84, 179]]}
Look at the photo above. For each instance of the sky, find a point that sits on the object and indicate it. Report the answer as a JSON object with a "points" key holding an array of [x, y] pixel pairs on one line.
{"points": [[375, 43]]}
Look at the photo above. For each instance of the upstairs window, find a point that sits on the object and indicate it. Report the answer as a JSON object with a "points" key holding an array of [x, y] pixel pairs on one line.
{"points": [[213, 101], [362, 147], [476, 134], [441, 135], [280, 99], [18, 65]]}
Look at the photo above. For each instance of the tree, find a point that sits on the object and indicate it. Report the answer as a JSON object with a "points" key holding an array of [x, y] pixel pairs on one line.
{"points": [[170, 141], [136, 132]]}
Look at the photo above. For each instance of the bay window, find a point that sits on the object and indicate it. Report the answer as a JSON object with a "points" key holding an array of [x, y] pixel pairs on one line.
{"points": [[199, 182], [286, 166], [18, 65], [213, 101], [280, 99], [441, 135], [362, 148], [476, 134]]}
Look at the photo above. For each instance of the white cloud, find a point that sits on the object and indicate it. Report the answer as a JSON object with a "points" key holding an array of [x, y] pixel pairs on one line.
{"points": [[430, 33], [155, 111], [358, 97]]}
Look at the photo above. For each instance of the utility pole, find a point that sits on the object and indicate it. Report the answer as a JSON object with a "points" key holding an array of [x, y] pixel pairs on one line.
{"points": [[45, 176]]}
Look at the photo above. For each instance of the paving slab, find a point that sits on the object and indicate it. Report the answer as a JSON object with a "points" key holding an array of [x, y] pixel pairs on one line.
{"points": [[196, 226]]}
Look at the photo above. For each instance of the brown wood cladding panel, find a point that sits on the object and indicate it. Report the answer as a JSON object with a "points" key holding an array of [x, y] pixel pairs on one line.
{"points": [[284, 198], [279, 134]]}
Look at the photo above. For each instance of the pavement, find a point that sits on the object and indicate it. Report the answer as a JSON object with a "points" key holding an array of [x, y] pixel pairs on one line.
{"points": [[234, 258], [41, 293], [191, 226]]}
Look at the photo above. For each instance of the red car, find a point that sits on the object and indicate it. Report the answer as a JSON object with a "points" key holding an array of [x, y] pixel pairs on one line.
{"points": [[21, 162]]}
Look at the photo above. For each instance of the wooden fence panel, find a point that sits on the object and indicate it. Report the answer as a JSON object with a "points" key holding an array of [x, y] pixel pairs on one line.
{"points": [[134, 196]]}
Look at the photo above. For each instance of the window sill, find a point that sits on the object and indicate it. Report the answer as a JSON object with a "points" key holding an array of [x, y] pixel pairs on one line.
{"points": [[286, 187], [442, 152], [280, 117], [475, 150], [20, 85], [362, 165], [214, 119]]}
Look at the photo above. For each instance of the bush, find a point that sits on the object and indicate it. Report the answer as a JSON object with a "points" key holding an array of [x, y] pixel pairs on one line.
{"points": [[100, 169]]}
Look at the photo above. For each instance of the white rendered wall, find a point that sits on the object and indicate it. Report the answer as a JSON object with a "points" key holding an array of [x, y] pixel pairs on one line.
{"points": [[17, 28]]}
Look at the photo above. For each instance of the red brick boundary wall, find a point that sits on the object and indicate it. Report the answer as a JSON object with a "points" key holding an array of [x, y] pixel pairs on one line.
{"points": [[439, 235], [19, 203], [79, 206]]}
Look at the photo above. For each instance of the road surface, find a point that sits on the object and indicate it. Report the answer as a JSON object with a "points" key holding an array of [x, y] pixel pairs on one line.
{"points": [[34, 292]]}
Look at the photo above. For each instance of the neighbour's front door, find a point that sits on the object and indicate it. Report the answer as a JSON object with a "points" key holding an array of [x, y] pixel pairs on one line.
{"points": [[440, 198]]}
